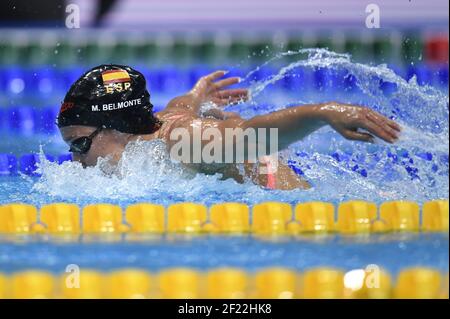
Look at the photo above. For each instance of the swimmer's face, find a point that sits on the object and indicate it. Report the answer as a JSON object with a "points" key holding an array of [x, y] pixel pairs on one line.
{"points": [[107, 143]]}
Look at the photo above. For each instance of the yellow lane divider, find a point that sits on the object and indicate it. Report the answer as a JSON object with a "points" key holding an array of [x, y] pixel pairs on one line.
{"points": [[266, 219], [233, 283], [271, 218], [186, 218], [227, 283], [230, 218], [356, 217], [276, 283], [400, 215]]}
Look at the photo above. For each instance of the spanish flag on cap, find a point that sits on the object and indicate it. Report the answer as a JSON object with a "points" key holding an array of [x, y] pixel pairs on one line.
{"points": [[115, 76]]}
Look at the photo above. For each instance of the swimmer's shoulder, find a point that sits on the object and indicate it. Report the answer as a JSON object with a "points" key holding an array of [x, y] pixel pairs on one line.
{"points": [[171, 119]]}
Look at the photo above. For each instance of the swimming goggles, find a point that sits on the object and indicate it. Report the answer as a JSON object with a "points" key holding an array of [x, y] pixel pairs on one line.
{"points": [[83, 144]]}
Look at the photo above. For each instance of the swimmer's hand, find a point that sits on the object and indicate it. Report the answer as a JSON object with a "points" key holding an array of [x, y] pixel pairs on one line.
{"points": [[209, 89], [348, 119]]}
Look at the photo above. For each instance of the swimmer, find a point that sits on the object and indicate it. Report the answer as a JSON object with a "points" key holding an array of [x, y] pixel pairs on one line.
{"points": [[109, 107]]}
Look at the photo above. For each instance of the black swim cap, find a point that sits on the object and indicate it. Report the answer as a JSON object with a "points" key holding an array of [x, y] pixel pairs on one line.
{"points": [[110, 96]]}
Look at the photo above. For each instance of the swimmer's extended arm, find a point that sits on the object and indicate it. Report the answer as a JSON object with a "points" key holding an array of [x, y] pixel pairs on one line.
{"points": [[295, 123], [209, 89]]}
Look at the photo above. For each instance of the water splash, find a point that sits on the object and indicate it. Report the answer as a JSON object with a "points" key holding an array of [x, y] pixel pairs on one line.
{"points": [[407, 96], [415, 168]]}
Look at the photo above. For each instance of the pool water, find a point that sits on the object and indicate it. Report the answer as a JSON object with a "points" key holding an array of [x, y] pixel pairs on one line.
{"points": [[415, 168], [251, 254]]}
